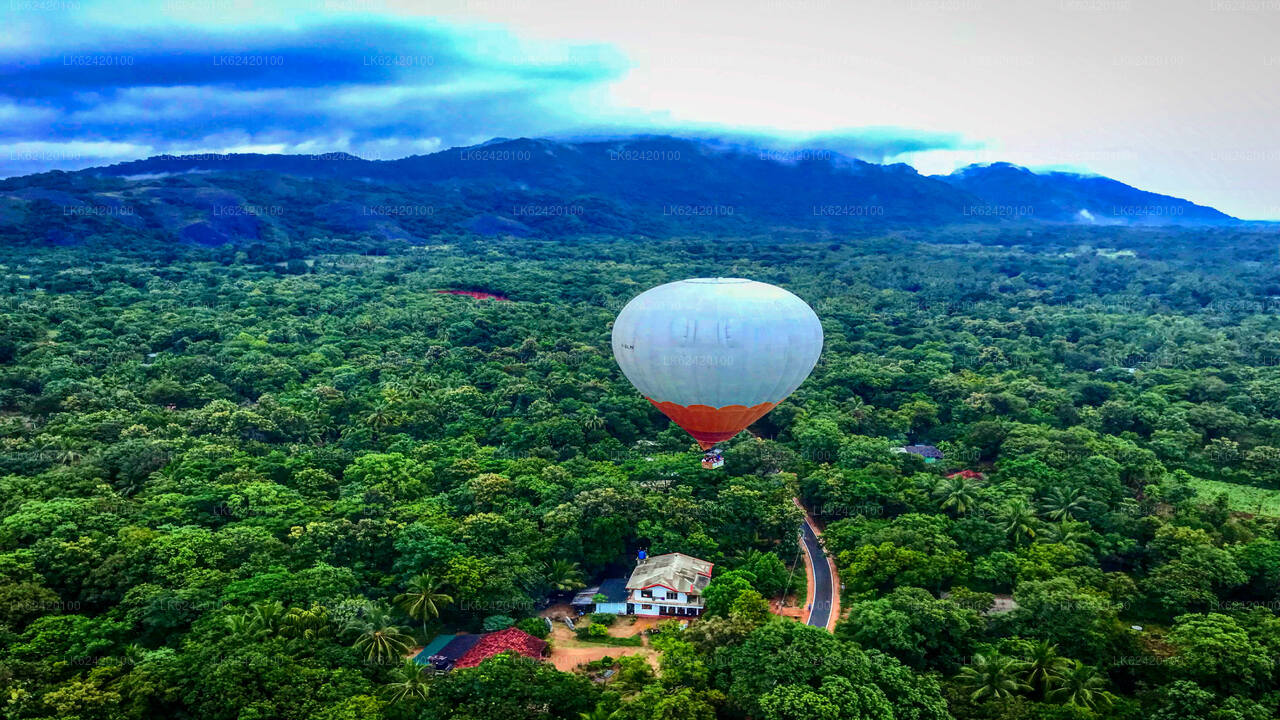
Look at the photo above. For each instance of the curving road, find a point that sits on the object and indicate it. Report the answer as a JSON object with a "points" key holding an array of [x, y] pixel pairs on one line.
{"points": [[820, 603], [822, 599]]}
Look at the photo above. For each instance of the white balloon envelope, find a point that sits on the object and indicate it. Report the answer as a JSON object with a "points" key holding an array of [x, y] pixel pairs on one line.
{"points": [[716, 354]]}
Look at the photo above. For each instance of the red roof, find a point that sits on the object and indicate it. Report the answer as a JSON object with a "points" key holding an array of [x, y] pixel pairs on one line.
{"points": [[968, 475], [502, 641], [477, 294]]}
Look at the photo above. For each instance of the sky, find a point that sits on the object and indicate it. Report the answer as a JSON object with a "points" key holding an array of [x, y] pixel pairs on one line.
{"points": [[1175, 96]]}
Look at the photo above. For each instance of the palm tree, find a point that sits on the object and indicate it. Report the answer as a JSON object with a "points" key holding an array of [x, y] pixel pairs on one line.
{"points": [[495, 404], [1064, 503], [261, 620], [564, 575], [1043, 666], [377, 636], [1082, 685], [991, 678], [592, 420], [410, 683], [423, 598], [955, 494], [1066, 532], [380, 418], [267, 616], [63, 449], [306, 624], [241, 625], [1018, 520]]}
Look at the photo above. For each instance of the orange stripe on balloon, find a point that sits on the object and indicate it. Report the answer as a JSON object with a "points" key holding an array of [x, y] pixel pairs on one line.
{"points": [[709, 425]]}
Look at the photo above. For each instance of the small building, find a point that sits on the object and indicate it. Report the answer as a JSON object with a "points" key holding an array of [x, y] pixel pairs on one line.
{"points": [[614, 591], [928, 452], [670, 584], [968, 475], [512, 639], [446, 652]]}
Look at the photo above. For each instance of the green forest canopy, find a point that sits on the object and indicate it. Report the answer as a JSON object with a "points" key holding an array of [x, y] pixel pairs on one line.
{"points": [[223, 471]]}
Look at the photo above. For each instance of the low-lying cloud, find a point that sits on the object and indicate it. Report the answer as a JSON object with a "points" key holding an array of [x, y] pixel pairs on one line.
{"points": [[379, 88]]}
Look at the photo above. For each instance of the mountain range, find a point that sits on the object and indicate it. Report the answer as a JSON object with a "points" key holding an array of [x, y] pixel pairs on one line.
{"points": [[651, 186]]}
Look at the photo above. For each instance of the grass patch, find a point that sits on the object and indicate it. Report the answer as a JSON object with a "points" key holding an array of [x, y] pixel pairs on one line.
{"points": [[1240, 498]]}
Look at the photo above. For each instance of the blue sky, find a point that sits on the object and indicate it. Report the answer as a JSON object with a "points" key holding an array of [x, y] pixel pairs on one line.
{"points": [[1177, 96]]}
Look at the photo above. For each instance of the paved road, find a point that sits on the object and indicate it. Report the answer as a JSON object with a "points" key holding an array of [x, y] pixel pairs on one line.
{"points": [[821, 602]]}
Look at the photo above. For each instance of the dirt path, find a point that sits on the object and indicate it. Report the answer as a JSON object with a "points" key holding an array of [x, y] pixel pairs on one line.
{"points": [[568, 652]]}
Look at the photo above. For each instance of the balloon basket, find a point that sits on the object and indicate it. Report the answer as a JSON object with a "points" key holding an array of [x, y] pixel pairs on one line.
{"points": [[712, 460]]}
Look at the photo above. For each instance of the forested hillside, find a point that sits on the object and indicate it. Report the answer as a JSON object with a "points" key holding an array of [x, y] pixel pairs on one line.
{"points": [[229, 476], [645, 186]]}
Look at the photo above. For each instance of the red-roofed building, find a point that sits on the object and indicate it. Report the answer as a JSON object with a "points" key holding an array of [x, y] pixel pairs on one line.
{"points": [[501, 641], [968, 475]]}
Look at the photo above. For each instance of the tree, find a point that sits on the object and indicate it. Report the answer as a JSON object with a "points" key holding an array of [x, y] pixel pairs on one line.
{"points": [[992, 677], [563, 574], [510, 686], [423, 598], [377, 636], [1018, 520], [955, 494], [911, 625], [783, 652], [719, 594], [408, 684], [1043, 666], [1080, 621], [770, 574], [751, 606], [1214, 651], [1061, 504], [1081, 685]]}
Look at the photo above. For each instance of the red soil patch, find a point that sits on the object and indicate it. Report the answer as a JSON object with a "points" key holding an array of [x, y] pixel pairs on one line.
{"points": [[476, 294]]}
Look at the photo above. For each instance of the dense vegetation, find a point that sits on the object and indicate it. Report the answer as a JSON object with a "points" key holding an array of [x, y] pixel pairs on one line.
{"points": [[241, 483]]}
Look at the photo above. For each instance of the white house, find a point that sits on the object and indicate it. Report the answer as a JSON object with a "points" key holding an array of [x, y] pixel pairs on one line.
{"points": [[670, 584]]}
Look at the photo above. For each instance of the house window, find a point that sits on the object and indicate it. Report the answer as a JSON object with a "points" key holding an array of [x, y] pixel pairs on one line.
{"points": [[646, 593], [646, 607]]}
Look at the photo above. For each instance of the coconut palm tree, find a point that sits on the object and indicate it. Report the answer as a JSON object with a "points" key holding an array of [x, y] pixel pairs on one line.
{"points": [[423, 598], [1043, 666], [1081, 685], [381, 417], [1062, 503], [592, 420], [377, 636], [409, 683], [955, 494], [563, 575], [993, 677], [1066, 532], [1018, 520]]}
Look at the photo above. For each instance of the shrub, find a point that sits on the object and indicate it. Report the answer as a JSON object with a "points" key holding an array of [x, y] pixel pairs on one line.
{"points": [[498, 622], [535, 626], [591, 631]]}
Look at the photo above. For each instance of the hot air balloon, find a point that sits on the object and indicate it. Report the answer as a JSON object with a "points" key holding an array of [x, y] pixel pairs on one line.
{"points": [[716, 354]]}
